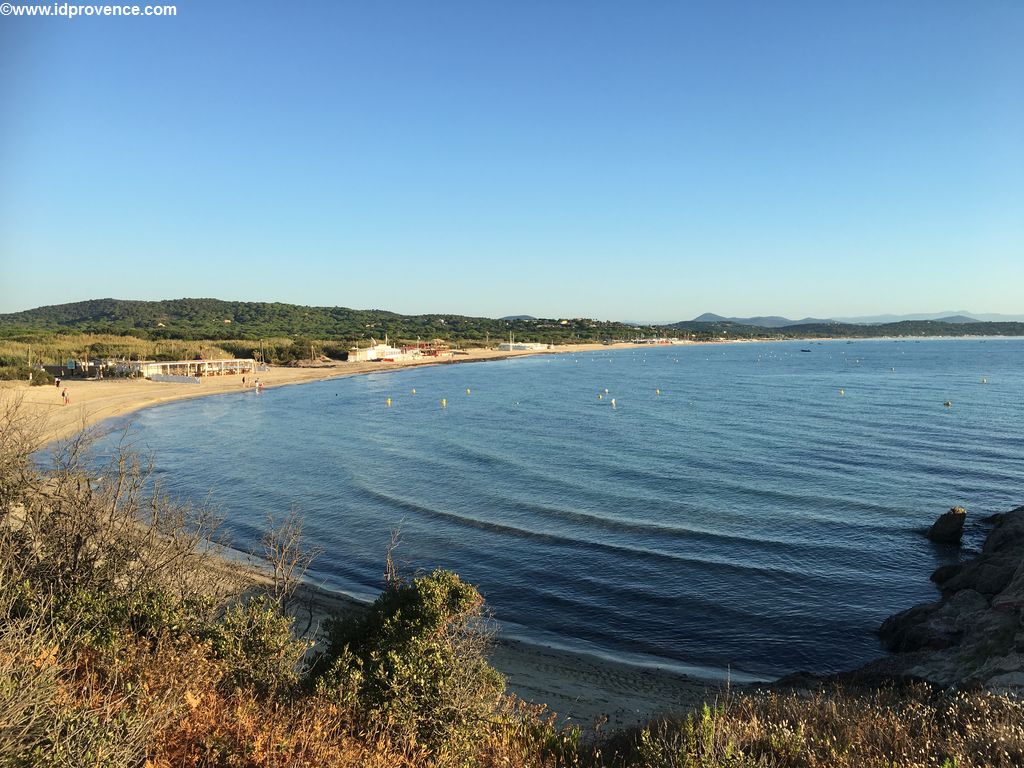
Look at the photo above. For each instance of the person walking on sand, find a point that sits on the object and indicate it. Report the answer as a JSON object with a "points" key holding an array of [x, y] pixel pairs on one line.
{"points": [[56, 381], [64, 394], [243, 382]]}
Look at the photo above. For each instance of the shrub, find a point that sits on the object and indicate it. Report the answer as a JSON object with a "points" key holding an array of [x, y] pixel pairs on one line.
{"points": [[256, 642], [415, 663], [22, 372]]}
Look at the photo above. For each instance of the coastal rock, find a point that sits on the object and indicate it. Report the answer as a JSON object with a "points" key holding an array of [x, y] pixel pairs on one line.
{"points": [[934, 626], [944, 573], [1011, 598], [974, 635], [949, 528], [1007, 532], [989, 575]]}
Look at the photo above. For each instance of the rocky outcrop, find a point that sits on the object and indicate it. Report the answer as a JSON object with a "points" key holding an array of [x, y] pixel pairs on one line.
{"points": [[974, 634], [949, 528]]}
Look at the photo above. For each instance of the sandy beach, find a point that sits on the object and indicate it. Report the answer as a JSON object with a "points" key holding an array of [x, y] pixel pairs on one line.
{"points": [[94, 400], [581, 688]]}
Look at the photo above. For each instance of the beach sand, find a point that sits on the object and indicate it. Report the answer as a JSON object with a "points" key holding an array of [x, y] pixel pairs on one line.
{"points": [[94, 400], [580, 688]]}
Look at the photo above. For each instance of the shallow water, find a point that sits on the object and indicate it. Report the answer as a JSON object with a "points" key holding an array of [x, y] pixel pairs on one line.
{"points": [[749, 516]]}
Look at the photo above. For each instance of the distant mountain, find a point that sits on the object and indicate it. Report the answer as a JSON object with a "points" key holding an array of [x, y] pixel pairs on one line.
{"points": [[769, 321], [518, 317], [949, 316], [995, 317], [710, 317]]}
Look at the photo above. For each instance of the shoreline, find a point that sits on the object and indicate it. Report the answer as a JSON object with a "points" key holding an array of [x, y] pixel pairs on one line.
{"points": [[97, 400], [581, 688]]}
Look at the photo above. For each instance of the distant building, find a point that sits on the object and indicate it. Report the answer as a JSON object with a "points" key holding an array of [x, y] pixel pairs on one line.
{"points": [[179, 370], [382, 352], [520, 346]]}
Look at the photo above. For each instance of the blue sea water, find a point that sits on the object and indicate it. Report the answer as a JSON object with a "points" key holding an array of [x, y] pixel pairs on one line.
{"points": [[750, 516]]}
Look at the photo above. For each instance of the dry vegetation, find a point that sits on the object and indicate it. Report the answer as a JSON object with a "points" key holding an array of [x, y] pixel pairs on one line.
{"points": [[52, 349], [118, 648]]}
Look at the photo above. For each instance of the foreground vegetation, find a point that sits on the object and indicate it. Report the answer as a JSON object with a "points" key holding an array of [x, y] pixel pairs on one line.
{"points": [[125, 641]]}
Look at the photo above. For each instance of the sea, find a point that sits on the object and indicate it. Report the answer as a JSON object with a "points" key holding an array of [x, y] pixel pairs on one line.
{"points": [[750, 509]]}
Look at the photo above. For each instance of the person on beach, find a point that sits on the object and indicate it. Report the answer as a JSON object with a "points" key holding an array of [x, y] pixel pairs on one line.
{"points": [[64, 394], [243, 381], [56, 381]]}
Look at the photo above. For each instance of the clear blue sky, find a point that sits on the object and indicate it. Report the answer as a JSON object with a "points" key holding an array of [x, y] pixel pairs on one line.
{"points": [[621, 160]]}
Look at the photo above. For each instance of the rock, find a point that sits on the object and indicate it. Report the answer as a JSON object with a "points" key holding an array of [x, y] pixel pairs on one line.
{"points": [[917, 629], [1008, 682], [974, 635], [1008, 532], [944, 573], [1011, 598], [989, 575], [949, 528]]}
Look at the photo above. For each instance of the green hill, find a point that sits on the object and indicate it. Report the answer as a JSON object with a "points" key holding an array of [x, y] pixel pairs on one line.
{"points": [[216, 319], [192, 319]]}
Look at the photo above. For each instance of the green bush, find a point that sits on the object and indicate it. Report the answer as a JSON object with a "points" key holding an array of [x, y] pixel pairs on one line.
{"points": [[21, 373], [415, 663], [256, 640]]}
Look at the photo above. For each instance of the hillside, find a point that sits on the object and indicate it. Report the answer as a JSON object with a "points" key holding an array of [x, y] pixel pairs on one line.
{"points": [[216, 319]]}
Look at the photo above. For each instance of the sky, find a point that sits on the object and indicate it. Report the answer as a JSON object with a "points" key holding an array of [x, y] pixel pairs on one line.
{"points": [[643, 161]]}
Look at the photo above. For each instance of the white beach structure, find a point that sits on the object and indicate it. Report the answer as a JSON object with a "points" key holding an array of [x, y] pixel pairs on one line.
{"points": [[188, 370], [520, 346], [382, 352]]}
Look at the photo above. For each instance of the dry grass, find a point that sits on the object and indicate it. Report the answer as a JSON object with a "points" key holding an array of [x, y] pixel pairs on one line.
{"points": [[55, 350], [907, 726]]}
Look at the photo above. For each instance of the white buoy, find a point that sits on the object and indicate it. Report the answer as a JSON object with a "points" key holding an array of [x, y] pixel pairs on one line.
{"points": [[842, 393], [613, 402]]}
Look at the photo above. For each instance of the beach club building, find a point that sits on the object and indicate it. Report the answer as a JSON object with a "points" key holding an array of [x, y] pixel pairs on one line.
{"points": [[521, 346], [385, 353], [188, 370]]}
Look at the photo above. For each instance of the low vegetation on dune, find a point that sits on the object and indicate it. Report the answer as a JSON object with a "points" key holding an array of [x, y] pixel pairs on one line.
{"points": [[24, 353], [126, 641]]}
